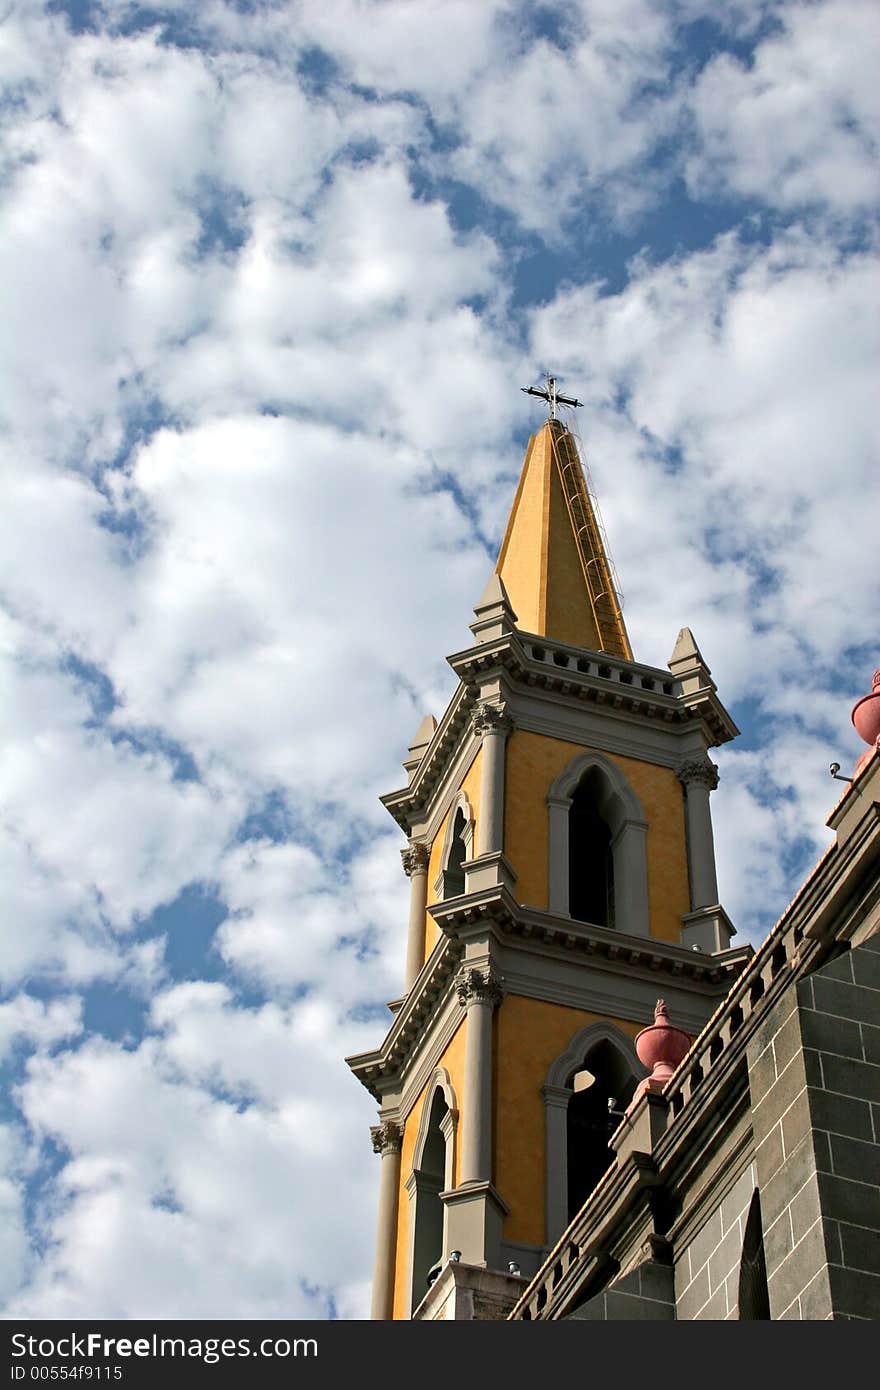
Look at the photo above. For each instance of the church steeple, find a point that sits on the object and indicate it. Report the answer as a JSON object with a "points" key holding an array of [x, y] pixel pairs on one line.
{"points": [[562, 874], [554, 561]]}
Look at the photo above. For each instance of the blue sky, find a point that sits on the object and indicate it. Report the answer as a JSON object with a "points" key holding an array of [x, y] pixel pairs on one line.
{"points": [[276, 273]]}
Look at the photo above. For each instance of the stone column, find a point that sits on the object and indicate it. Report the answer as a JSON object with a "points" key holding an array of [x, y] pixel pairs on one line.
{"points": [[479, 991], [556, 1100], [492, 723], [699, 776], [386, 1141], [631, 879], [415, 866], [558, 808]]}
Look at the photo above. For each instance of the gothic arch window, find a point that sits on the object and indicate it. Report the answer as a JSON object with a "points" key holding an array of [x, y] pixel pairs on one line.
{"points": [[597, 867], [599, 1064], [754, 1297], [433, 1172], [457, 847]]}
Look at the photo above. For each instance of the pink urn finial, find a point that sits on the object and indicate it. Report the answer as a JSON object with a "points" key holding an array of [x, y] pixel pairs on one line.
{"points": [[660, 1047], [866, 718]]}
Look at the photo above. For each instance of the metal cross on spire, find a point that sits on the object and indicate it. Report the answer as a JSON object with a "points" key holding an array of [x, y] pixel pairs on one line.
{"points": [[551, 396]]}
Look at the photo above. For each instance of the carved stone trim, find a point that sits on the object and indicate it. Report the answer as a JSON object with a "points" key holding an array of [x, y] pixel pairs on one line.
{"points": [[387, 1137], [700, 770], [414, 858], [491, 719], [480, 986]]}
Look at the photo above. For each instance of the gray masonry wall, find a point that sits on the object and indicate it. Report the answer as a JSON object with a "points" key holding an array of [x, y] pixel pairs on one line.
{"points": [[707, 1267], [646, 1294], [814, 1075]]}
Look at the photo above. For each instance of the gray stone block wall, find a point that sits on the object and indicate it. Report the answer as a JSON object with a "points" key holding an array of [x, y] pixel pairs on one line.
{"points": [[646, 1294], [845, 1091], [707, 1266], [814, 1076]]}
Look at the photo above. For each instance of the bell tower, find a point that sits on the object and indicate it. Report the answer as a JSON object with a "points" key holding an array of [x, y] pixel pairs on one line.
{"points": [[562, 876]]}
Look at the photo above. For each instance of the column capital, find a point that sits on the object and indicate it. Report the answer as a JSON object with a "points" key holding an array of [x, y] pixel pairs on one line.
{"points": [[557, 1096], [415, 858], [702, 771], [491, 719], [479, 986], [387, 1137]]}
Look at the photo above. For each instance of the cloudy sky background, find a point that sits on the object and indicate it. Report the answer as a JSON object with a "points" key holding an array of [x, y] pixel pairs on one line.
{"points": [[273, 275]]}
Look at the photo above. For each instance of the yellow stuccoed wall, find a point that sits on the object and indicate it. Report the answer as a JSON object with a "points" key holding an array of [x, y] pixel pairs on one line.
{"points": [[533, 761], [471, 788], [529, 1035], [453, 1061]]}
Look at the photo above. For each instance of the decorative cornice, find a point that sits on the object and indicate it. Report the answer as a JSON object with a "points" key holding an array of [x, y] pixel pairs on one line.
{"points": [[387, 1137], [495, 912], [386, 1062], [643, 695], [702, 771], [479, 987], [449, 735], [491, 719], [415, 858], [496, 909], [647, 692]]}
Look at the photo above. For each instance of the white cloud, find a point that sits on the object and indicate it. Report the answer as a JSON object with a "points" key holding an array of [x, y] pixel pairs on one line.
{"points": [[60, 570], [269, 602], [769, 815], [101, 227], [537, 126], [133, 837], [14, 1243], [754, 366], [94, 833], [295, 921], [35, 1022], [434, 49], [553, 130], [142, 1222], [800, 123]]}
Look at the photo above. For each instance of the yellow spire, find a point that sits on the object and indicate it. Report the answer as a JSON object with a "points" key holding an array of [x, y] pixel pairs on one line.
{"points": [[553, 562]]}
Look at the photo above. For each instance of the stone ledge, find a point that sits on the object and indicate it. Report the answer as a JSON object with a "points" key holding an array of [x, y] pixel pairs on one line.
{"points": [[470, 1293]]}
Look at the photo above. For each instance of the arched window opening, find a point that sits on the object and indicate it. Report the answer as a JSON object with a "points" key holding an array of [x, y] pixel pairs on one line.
{"points": [[453, 873], [429, 1181], [605, 1076], [754, 1295], [597, 867], [599, 1058], [590, 857]]}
